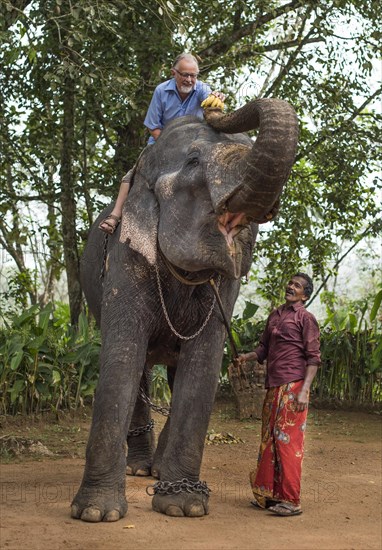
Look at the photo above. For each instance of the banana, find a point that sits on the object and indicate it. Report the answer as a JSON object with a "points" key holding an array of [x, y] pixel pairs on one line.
{"points": [[207, 102], [212, 102], [218, 103]]}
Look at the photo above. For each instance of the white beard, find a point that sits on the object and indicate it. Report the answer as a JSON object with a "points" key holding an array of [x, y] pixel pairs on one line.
{"points": [[186, 89]]}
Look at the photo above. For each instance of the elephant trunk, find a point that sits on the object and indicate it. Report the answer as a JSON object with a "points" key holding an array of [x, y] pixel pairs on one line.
{"points": [[262, 171]]}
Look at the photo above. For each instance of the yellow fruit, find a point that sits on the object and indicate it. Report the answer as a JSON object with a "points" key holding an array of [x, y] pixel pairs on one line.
{"points": [[212, 102]]}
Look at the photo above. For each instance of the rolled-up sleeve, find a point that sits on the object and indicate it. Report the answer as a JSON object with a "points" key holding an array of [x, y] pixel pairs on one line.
{"points": [[262, 349], [311, 339], [203, 91], [153, 115]]}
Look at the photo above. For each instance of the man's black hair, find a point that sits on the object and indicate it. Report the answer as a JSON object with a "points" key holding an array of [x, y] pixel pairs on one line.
{"points": [[308, 289]]}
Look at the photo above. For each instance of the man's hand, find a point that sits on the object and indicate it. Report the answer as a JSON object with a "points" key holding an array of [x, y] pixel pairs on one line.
{"points": [[303, 396], [251, 356], [219, 95], [155, 133], [239, 359], [302, 400]]}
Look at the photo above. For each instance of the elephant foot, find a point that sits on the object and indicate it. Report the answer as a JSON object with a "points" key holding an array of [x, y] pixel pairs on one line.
{"points": [[138, 469], [94, 504], [155, 471], [191, 505]]}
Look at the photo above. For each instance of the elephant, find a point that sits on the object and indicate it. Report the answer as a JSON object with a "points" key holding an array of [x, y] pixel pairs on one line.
{"points": [[191, 216]]}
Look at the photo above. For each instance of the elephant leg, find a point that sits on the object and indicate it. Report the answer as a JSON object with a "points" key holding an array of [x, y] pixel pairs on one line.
{"points": [[161, 447], [101, 496], [163, 437], [140, 438], [194, 391]]}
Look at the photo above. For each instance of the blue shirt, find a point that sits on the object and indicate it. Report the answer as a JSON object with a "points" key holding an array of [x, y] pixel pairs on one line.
{"points": [[166, 104]]}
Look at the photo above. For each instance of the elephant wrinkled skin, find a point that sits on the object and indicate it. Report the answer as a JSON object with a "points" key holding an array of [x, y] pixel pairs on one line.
{"points": [[197, 197]]}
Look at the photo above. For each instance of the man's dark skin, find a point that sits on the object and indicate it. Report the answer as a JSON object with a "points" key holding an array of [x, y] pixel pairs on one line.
{"points": [[294, 293]]}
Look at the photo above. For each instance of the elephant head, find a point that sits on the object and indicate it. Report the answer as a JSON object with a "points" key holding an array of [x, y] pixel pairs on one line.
{"points": [[199, 192]]}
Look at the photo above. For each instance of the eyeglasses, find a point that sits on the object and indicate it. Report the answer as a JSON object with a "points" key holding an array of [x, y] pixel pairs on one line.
{"points": [[187, 75]]}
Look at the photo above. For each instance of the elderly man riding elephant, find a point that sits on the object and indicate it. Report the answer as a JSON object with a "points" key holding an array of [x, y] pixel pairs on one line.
{"points": [[191, 216]]}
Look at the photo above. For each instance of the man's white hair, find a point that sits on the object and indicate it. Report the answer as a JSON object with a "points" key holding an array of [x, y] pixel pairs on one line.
{"points": [[186, 57]]}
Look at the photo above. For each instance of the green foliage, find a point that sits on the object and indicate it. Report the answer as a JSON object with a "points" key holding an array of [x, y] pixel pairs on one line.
{"points": [[160, 390], [351, 349], [98, 63], [245, 333], [46, 364], [20, 284]]}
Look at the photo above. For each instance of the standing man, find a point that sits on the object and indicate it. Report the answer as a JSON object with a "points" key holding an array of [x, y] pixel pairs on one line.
{"points": [[291, 345], [180, 96]]}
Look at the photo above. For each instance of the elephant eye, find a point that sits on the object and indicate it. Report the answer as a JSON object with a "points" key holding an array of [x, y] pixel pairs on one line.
{"points": [[192, 161]]}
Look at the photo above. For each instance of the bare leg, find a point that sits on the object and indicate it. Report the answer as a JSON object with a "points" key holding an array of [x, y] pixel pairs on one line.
{"points": [[109, 224]]}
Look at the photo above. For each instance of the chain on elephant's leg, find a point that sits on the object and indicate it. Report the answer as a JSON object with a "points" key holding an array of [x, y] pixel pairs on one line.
{"points": [[180, 491], [141, 437], [141, 444]]}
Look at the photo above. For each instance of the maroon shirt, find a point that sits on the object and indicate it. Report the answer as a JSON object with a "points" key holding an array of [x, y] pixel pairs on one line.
{"points": [[290, 342]]}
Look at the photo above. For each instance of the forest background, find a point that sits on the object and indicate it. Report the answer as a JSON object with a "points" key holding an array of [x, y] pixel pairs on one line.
{"points": [[75, 83]]}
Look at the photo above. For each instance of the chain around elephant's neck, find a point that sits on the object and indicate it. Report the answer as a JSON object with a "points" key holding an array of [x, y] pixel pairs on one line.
{"points": [[165, 309], [183, 279]]}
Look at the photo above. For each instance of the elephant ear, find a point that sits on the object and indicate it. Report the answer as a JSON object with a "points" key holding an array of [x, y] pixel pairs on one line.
{"points": [[140, 218]]}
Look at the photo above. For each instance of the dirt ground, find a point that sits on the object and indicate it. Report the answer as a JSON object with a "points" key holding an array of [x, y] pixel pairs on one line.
{"points": [[341, 491]]}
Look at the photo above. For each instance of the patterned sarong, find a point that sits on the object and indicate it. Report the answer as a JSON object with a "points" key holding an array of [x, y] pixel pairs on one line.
{"points": [[278, 472]]}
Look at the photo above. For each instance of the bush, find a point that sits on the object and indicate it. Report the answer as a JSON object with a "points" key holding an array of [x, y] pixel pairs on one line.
{"points": [[45, 363], [245, 333], [351, 350]]}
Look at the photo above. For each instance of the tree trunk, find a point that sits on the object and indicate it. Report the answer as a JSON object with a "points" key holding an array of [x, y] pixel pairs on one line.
{"points": [[68, 203]]}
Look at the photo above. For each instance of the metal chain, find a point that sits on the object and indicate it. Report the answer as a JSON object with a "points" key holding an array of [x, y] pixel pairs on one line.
{"points": [[168, 318], [161, 410], [176, 487], [141, 429], [103, 267]]}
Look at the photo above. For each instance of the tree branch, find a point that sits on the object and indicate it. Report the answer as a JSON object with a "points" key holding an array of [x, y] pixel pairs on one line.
{"points": [[11, 12], [342, 127], [47, 198], [224, 44], [13, 252], [337, 263], [292, 43], [300, 43]]}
